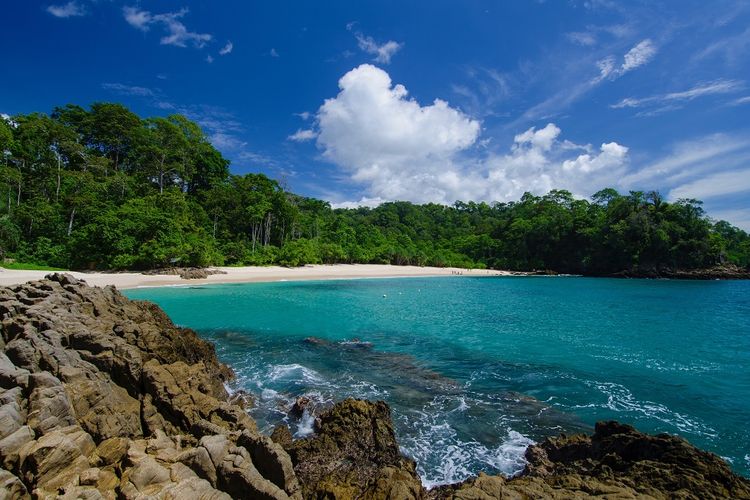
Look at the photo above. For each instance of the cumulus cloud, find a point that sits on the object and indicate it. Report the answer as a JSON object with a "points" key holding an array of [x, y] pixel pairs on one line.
{"points": [[70, 9], [226, 49], [399, 149], [177, 33], [372, 130]]}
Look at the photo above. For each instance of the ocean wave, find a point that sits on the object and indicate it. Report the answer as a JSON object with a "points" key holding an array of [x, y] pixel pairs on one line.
{"points": [[445, 455], [294, 372], [621, 399]]}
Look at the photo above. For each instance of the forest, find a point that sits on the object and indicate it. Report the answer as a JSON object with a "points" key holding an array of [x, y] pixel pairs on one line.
{"points": [[101, 188]]}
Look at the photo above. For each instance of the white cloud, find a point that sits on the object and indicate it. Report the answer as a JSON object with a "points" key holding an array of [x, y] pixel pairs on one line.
{"points": [[741, 100], [303, 135], [177, 33], [389, 142], [636, 57], [209, 59], [226, 49], [538, 162], [396, 148], [714, 185], [274, 52], [70, 9], [583, 38], [382, 52], [130, 90], [700, 90], [305, 115]]}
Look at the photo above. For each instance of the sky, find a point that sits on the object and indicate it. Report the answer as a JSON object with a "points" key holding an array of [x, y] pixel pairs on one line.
{"points": [[370, 101]]}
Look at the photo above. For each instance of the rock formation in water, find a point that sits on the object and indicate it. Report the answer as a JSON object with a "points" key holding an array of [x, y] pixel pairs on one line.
{"points": [[104, 397]]}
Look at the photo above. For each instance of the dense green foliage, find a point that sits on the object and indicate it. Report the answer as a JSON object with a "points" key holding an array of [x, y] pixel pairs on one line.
{"points": [[104, 189]]}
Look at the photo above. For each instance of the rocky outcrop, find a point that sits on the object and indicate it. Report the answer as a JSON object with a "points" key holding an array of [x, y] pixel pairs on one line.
{"points": [[617, 461], [103, 397], [720, 272], [186, 273], [354, 454]]}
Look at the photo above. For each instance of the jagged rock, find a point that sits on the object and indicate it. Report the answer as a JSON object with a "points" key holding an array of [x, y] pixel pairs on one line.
{"points": [[354, 454], [56, 458], [199, 462], [49, 409], [11, 444], [282, 435], [11, 487], [298, 408], [111, 451], [240, 478], [104, 409], [179, 393], [10, 375], [272, 462]]}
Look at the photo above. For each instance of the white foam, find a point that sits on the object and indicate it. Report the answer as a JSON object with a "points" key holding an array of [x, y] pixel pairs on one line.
{"points": [[620, 399], [306, 426], [294, 372]]}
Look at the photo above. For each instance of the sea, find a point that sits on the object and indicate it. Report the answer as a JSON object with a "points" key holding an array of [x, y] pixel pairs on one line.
{"points": [[477, 368]]}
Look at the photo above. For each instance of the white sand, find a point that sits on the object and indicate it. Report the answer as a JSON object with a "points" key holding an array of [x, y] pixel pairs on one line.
{"points": [[253, 274]]}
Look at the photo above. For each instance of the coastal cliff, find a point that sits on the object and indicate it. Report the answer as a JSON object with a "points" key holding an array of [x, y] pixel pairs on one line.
{"points": [[104, 397]]}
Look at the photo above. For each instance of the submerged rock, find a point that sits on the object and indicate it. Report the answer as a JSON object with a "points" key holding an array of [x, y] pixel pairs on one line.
{"points": [[104, 397]]}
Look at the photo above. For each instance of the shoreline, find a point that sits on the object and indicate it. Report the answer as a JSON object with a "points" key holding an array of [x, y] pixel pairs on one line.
{"points": [[250, 274]]}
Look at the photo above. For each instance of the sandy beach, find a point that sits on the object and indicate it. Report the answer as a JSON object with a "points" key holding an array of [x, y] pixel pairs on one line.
{"points": [[253, 275]]}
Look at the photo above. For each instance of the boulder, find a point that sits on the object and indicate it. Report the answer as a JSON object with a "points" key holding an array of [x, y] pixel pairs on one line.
{"points": [[354, 453]]}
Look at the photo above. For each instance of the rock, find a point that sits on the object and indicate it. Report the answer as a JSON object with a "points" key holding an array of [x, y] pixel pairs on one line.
{"points": [[243, 399], [179, 393], [111, 451], [10, 446], [56, 458], [12, 488], [282, 435], [238, 476], [354, 454], [272, 462], [199, 462], [298, 408], [49, 409], [102, 408]]}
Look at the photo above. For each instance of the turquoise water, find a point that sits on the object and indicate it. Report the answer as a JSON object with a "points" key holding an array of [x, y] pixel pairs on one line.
{"points": [[477, 368]]}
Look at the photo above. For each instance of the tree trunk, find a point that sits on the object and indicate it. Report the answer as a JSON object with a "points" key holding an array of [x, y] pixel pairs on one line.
{"points": [[70, 222], [57, 189]]}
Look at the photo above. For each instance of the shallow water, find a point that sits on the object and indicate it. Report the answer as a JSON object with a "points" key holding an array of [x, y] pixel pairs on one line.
{"points": [[477, 368]]}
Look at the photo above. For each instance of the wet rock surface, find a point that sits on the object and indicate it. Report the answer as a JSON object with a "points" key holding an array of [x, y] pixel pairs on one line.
{"points": [[104, 397]]}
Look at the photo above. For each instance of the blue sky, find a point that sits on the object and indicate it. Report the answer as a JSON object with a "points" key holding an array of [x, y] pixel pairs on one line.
{"points": [[360, 102]]}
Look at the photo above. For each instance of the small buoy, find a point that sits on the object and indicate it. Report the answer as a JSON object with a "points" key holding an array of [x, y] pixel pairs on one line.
{"points": [[384, 296]]}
